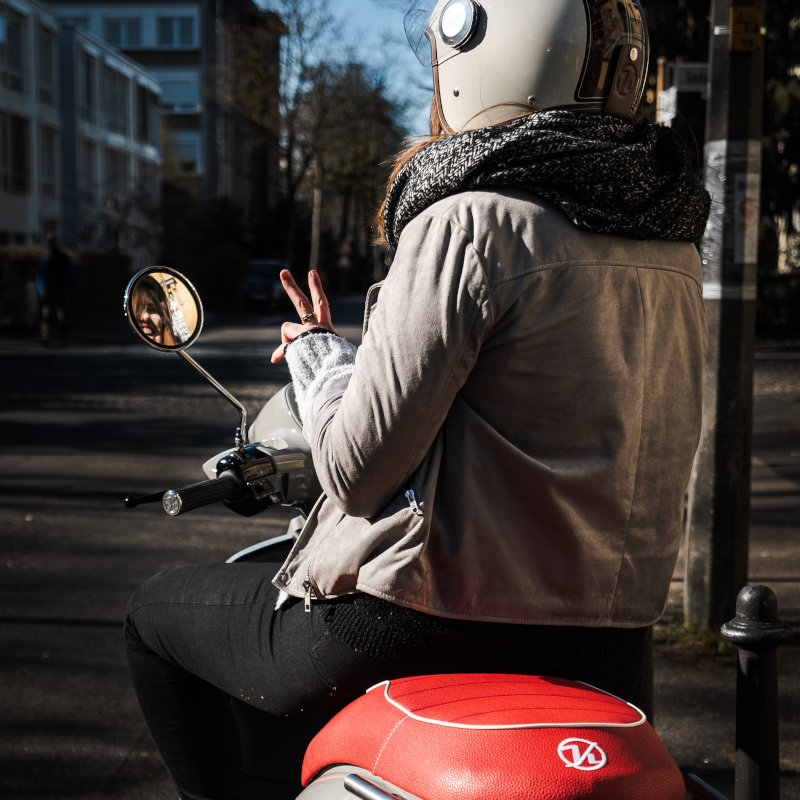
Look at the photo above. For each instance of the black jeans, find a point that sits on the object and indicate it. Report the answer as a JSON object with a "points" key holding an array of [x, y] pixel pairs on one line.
{"points": [[233, 689]]}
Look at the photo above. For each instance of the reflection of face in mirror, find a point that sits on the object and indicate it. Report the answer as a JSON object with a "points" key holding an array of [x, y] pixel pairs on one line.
{"points": [[151, 311], [164, 308]]}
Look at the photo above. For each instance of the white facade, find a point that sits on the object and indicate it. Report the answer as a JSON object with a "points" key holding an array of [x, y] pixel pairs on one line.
{"points": [[79, 147], [169, 40], [208, 149], [137, 26], [30, 125], [110, 146]]}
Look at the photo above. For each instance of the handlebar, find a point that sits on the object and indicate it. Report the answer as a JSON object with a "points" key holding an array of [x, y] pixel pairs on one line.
{"points": [[228, 486], [249, 480]]}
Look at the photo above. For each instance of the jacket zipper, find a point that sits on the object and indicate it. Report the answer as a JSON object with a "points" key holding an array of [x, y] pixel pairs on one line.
{"points": [[412, 502], [310, 593]]}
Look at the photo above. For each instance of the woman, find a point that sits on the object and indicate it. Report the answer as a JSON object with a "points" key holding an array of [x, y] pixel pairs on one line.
{"points": [[504, 457], [151, 311]]}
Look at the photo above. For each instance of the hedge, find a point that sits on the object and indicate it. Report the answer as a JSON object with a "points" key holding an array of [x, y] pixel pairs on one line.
{"points": [[100, 281]]}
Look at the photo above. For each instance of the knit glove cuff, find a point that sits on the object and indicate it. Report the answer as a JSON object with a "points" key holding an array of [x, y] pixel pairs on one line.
{"points": [[321, 363]]}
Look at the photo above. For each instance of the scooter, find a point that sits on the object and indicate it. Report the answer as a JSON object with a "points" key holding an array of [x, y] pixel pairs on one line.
{"points": [[433, 737]]}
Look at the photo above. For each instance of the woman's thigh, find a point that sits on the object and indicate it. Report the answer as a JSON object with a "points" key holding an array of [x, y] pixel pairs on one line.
{"points": [[220, 623]]}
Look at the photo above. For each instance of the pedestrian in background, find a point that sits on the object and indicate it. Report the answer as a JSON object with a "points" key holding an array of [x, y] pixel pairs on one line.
{"points": [[54, 280]]}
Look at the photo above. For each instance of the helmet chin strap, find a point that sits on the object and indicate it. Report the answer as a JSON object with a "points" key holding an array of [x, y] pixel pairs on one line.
{"points": [[622, 96]]}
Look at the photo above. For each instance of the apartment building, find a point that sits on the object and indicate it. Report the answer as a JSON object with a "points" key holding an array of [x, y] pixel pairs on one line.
{"points": [[30, 126], [111, 161], [208, 150], [78, 136]]}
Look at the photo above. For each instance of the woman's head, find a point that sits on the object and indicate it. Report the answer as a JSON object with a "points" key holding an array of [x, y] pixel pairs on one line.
{"points": [[151, 311], [493, 60]]}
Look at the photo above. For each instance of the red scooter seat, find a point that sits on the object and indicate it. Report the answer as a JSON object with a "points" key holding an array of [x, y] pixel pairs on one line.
{"points": [[499, 737]]}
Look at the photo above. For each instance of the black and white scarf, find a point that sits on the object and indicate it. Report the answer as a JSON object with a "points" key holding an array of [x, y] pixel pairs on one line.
{"points": [[606, 175]]}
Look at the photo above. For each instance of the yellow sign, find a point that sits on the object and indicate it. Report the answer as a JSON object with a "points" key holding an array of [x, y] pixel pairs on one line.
{"points": [[745, 28]]}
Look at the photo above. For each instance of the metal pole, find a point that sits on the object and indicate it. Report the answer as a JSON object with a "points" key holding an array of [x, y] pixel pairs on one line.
{"points": [[757, 632], [719, 493], [316, 215]]}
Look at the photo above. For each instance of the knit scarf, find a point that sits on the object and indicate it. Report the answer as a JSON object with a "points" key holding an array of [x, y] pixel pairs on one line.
{"points": [[606, 175]]}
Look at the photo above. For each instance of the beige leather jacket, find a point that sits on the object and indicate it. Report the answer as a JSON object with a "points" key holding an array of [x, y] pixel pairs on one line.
{"points": [[517, 433]]}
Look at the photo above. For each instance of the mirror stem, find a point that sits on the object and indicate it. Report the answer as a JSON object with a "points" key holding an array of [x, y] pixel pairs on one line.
{"points": [[241, 431]]}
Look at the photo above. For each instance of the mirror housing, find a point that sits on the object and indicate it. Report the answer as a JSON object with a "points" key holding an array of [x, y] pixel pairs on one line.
{"points": [[165, 311], [163, 308]]}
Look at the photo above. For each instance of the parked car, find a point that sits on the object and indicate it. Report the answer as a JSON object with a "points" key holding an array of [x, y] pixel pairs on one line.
{"points": [[262, 287]]}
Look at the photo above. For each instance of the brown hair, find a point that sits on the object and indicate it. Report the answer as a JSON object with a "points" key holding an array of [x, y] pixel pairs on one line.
{"points": [[149, 290], [401, 159]]}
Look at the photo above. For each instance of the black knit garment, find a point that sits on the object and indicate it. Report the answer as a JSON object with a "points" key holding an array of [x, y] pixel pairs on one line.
{"points": [[382, 629], [606, 175]]}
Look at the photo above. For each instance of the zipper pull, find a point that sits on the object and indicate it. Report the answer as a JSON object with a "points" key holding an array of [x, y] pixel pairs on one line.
{"points": [[309, 595], [412, 502]]}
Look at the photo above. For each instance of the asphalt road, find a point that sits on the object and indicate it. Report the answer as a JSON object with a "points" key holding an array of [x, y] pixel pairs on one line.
{"points": [[80, 427]]}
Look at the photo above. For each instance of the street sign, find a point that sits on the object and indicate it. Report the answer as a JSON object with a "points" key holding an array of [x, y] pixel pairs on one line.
{"points": [[745, 30], [688, 76]]}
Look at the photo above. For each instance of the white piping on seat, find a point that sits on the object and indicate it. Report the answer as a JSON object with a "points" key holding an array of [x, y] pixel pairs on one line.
{"points": [[522, 725]]}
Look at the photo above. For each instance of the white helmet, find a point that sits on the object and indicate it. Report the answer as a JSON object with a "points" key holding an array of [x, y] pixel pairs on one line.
{"points": [[495, 59]]}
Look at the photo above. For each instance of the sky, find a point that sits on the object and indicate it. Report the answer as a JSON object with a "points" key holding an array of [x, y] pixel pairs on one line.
{"points": [[380, 24], [375, 13], [373, 31]]}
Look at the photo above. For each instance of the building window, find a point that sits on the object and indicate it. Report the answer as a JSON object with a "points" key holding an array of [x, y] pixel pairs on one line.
{"points": [[116, 106], [123, 31], [46, 62], [117, 179], [177, 32], [146, 116], [48, 166], [183, 153], [181, 94], [86, 82], [12, 52], [14, 154], [87, 177], [188, 158], [82, 23], [148, 188]]}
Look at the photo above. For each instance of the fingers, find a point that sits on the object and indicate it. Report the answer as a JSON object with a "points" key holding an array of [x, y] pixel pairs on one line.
{"points": [[277, 354], [317, 305], [289, 330], [299, 300], [319, 300]]}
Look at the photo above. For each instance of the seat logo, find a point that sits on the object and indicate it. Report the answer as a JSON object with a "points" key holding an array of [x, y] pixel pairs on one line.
{"points": [[582, 754]]}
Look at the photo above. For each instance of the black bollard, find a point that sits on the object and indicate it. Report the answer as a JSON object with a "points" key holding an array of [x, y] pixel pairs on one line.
{"points": [[757, 632]]}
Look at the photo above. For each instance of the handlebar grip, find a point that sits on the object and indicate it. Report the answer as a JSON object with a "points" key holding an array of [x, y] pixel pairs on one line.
{"points": [[178, 501]]}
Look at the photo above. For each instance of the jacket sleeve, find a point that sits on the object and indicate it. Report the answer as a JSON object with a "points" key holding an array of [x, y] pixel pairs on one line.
{"points": [[368, 434], [321, 363]]}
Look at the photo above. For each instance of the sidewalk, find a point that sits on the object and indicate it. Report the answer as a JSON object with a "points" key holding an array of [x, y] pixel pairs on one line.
{"points": [[695, 685]]}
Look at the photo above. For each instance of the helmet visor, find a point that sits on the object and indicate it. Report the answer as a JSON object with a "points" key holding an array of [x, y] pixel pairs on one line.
{"points": [[416, 22]]}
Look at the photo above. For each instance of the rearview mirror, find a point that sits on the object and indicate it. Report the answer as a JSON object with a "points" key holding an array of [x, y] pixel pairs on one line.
{"points": [[164, 308], [165, 311]]}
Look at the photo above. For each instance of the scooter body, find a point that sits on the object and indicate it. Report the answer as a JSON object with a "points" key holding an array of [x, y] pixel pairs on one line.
{"points": [[515, 737]]}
